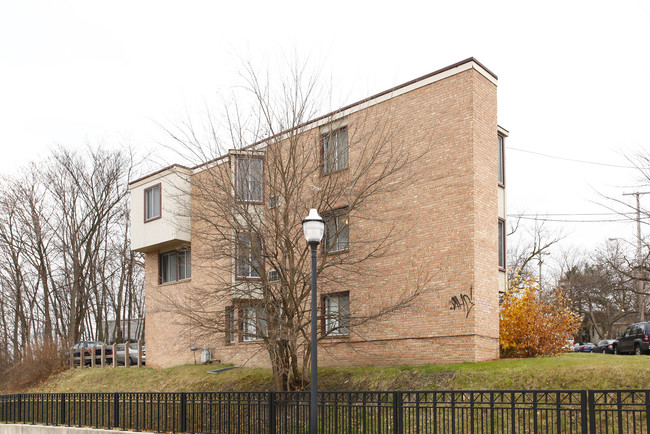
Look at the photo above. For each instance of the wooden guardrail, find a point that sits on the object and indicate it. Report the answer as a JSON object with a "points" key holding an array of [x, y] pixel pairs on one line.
{"points": [[105, 359]]}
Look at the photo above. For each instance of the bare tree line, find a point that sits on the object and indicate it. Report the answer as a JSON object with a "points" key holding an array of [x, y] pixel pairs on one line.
{"points": [[66, 266], [604, 284]]}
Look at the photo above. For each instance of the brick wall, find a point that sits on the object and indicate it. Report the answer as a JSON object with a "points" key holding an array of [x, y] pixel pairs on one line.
{"points": [[445, 224]]}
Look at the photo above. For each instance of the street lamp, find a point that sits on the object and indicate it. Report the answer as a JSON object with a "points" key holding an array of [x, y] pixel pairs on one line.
{"points": [[313, 227]]}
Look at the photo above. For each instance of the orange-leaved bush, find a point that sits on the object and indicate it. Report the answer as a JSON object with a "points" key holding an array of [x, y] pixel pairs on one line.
{"points": [[533, 323]]}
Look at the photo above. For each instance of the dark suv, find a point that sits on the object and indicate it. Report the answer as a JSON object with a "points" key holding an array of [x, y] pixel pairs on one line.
{"points": [[635, 339]]}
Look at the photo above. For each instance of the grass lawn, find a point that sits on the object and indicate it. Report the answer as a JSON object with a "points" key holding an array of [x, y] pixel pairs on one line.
{"points": [[567, 371]]}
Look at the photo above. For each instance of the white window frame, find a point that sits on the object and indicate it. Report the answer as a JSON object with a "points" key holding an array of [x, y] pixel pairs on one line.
{"points": [[249, 182], [182, 262], [502, 244], [335, 150], [253, 323], [152, 210], [245, 257], [337, 314], [337, 232], [502, 161]]}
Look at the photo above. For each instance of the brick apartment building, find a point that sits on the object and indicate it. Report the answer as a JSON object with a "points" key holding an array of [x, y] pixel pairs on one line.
{"points": [[443, 227]]}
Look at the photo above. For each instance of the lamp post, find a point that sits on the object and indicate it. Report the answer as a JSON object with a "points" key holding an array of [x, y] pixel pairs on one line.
{"points": [[313, 227]]}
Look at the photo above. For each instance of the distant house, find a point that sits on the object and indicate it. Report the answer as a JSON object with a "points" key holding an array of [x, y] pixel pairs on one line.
{"points": [[459, 202], [129, 330], [589, 332]]}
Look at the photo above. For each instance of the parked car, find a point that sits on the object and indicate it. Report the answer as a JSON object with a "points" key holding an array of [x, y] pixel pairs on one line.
{"points": [[606, 346], [570, 345], [133, 354], [634, 340], [584, 347], [87, 348]]}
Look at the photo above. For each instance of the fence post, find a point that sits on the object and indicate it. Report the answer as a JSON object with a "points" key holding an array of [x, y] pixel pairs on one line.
{"points": [[114, 355], [397, 412], [592, 412], [647, 410], [62, 410], [19, 407], [183, 415], [583, 410], [116, 410], [271, 413]]}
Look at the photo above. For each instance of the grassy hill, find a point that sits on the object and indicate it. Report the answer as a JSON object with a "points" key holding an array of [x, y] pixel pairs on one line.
{"points": [[568, 371]]}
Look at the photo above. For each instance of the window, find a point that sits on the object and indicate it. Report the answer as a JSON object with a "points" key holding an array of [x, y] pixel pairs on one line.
{"points": [[230, 325], [248, 254], [335, 150], [337, 314], [275, 201], [253, 323], [152, 203], [274, 276], [502, 173], [175, 266], [337, 233], [502, 244], [249, 172]]}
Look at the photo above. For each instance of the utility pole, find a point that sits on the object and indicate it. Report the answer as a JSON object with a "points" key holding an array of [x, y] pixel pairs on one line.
{"points": [[639, 260], [540, 262]]}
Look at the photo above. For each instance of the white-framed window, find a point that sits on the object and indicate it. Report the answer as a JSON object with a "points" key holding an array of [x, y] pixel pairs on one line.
{"points": [[337, 233], [337, 314], [152, 202], [335, 150], [502, 244], [274, 276], [253, 323], [175, 266], [249, 179], [502, 169], [249, 250]]}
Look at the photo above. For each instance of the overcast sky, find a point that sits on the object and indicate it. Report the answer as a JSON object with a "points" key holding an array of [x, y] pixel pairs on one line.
{"points": [[574, 78]]}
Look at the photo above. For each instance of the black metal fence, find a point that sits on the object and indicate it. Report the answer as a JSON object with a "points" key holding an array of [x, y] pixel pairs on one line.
{"points": [[522, 411]]}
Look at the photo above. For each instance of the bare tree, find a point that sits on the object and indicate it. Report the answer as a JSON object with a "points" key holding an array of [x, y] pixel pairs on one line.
{"points": [[64, 251], [527, 245], [247, 207], [599, 290]]}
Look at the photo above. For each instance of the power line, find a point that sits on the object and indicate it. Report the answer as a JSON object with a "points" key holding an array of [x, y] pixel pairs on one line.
{"points": [[541, 219], [570, 214], [575, 160]]}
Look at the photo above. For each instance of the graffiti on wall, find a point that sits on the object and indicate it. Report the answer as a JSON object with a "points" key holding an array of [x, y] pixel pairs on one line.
{"points": [[463, 302]]}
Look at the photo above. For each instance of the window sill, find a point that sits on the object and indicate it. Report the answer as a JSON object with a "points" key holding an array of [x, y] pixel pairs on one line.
{"points": [[247, 279], [333, 172], [152, 219], [250, 202], [337, 252], [336, 337], [174, 282]]}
